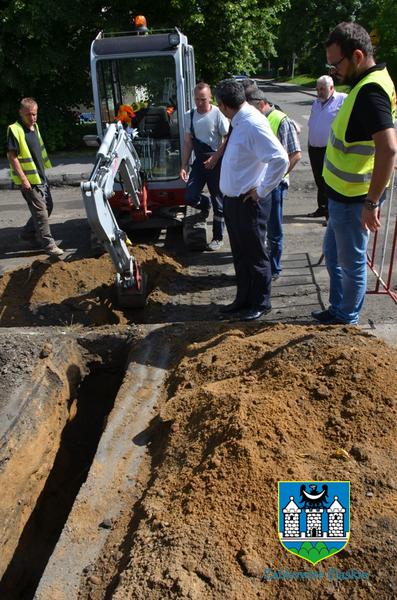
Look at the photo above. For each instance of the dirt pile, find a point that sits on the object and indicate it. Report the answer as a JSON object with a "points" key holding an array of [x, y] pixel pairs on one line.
{"points": [[79, 291], [246, 409]]}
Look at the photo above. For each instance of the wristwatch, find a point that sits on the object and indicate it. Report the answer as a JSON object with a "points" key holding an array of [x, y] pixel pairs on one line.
{"points": [[370, 205]]}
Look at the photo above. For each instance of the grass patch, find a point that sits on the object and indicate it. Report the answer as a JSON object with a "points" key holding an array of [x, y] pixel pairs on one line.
{"points": [[310, 82]]}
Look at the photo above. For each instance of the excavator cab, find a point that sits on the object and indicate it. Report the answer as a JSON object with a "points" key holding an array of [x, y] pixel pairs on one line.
{"points": [[154, 75]]}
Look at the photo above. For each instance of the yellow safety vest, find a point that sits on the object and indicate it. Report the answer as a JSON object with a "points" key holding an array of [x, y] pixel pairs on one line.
{"points": [[348, 166], [275, 117], [24, 157]]}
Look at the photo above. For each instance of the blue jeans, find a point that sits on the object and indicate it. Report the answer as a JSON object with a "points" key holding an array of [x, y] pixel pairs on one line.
{"points": [[275, 227], [345, 251], [199, 176]]}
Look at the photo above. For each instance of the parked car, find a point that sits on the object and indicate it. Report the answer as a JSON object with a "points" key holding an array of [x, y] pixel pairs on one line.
{"points": [[240, 77], [87, 117]]}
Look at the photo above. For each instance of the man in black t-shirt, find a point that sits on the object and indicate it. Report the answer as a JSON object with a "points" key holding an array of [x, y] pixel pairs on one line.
{"points": [[358, 164], [28, 161]]}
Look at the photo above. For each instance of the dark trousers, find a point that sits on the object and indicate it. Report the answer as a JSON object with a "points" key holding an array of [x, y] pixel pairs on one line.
{"points": [[39, 201], [316, 156], [246, 224], [198, 178]]}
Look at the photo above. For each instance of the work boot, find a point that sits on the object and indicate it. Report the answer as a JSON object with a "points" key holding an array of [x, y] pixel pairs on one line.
{"points": [[54, 251]]}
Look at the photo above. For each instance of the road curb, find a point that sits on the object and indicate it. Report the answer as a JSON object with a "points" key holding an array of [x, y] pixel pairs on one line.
{"points": [[54, 180]]}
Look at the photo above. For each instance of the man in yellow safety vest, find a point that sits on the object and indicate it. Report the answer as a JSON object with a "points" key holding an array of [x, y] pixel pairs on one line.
{"points": [[28, 161], [358, 164]]}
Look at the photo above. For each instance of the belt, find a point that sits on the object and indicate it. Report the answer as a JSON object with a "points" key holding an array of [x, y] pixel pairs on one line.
{"points": [[240, 197]]}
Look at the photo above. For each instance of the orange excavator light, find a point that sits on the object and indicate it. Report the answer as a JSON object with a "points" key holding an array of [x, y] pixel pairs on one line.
{"points": [[140, 21]]}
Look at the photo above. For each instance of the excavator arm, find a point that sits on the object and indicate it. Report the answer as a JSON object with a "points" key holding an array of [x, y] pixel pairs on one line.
{"points": [[116, 155]]}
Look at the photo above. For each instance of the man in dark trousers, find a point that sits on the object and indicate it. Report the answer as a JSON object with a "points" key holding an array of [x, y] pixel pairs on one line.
{"points": [[358, 164], [253, 164], [322, 114], [28, 160]]}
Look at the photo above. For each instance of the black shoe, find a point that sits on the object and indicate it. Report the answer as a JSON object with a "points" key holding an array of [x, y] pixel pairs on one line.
{"points": [[320, 212], [233, 307], [325, 317], [254, 313]]}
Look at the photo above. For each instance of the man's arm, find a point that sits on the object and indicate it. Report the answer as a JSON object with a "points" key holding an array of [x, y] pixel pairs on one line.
{"points": [[16, 165], [288, 137], [385, 154], [212, 161], [294, 158], [186, 152]]}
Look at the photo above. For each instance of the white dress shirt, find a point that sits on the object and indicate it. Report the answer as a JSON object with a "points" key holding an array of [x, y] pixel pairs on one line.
{"points": [[321, 117], [254, 157]]}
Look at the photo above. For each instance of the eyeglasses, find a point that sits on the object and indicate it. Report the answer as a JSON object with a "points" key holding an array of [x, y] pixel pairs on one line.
{"points": [[332, 67]]}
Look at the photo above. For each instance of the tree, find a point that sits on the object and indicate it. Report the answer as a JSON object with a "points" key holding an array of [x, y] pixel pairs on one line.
{"points": [[381, 16], [45, 47], [304, 29], [44, 54]]}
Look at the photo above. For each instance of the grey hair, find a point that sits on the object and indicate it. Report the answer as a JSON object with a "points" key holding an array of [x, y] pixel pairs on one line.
{"points": [[326, 79]]}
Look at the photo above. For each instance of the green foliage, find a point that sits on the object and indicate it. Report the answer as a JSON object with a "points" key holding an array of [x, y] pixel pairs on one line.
{"points": [[45, 54], [314, 553], [381, 15], [230, 36], [45, 48], [304, 29]]}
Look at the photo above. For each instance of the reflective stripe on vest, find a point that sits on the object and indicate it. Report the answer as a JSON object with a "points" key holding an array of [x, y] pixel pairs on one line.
{"points": [[26, 161], [348, 166]]}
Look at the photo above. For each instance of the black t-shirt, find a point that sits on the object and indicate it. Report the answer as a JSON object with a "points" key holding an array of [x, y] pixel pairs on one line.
{"points": [[371, 113], [33, 142]]}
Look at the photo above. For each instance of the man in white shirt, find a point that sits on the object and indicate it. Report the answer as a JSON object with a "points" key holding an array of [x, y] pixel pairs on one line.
{"points": [[323, 112], [254, 162], [205, 129]]}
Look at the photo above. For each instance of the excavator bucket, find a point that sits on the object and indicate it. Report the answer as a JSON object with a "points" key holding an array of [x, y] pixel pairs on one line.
{"points": [[134, 296]]}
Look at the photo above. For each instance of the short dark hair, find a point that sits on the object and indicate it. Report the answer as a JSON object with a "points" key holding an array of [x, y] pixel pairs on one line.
{"points": [[230, 92], [254, 94], [249, 83], [350, 37]]}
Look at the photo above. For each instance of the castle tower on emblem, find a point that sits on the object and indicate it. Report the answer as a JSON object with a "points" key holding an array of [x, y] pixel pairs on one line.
{"points": [[291, 519], [335, 519], [313, 522]]}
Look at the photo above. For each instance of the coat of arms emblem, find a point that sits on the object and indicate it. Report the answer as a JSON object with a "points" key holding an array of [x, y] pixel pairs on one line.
{"points": [[314, 518]]}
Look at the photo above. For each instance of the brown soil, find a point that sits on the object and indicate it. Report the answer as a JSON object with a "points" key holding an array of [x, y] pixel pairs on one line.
{"points": [[80, 291], [244, 409]]}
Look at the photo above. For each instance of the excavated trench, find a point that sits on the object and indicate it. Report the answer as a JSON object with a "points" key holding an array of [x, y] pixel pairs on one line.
{"points": [[141, 461], [46, 453]]}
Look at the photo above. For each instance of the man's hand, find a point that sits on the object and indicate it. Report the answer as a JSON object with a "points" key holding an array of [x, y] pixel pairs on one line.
{"points": [[370, 219], [183, 174], [251, 194], [25, 184], [211, 162]]}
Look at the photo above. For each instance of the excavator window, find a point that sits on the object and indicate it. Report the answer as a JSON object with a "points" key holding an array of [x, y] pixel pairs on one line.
{"points": [[148, 84]]}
